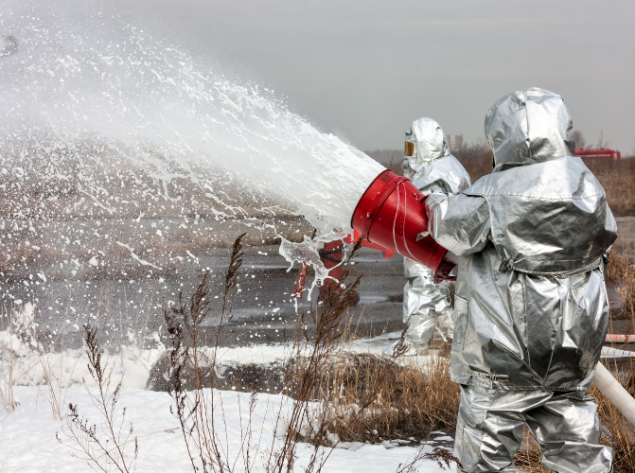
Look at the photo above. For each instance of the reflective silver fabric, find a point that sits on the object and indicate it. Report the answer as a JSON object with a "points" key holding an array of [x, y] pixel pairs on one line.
{"points": [[527, 127], [530, 302], [433, 168], [426, 306], [565, 425]]}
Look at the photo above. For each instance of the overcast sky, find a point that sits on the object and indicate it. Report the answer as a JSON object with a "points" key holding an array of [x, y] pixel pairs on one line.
{"points": [[364, 69]]}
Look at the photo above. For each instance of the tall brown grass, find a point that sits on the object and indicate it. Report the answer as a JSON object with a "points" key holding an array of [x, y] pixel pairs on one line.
{"points": [[409, 401], [618, 180], [621, 271], [620, 266], [618, 432], [476, 158]]}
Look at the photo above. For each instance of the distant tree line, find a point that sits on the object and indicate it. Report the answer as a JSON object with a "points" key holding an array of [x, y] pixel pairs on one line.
{"points": [[476, 158]]}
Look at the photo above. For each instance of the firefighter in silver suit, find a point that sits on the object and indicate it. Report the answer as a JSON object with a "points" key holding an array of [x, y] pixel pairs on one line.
{"points": [[531, 302], [431, 168]]}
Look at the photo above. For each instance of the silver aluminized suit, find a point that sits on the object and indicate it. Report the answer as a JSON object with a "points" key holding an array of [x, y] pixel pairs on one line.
{"points": [[531, 302], [426, 305]]}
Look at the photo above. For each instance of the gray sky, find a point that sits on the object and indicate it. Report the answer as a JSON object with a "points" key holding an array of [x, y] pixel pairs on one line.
{"points": [[364, 69]]}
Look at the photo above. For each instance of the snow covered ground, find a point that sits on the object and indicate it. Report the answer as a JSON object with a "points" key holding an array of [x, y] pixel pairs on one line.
{"points": [[28, 441], [32, 365], [133, 364]]}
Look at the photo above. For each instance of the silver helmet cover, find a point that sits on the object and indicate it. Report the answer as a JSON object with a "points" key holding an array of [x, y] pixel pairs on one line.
{"points": [[531, 303], [426, 305], [527, 127], [432, 168], [430, 144]]}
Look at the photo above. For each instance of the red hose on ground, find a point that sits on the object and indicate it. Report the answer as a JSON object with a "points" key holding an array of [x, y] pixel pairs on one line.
{"points": [[615, 338]]}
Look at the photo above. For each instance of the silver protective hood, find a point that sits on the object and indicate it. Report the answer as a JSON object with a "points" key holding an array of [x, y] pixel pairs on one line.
{"points": [[527, 127], [432, 168], [531, 302], [430, 144]]}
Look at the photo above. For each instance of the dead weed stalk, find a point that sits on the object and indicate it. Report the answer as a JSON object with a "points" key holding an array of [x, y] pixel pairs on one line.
{"points": [[621, 270], [106, 446]]}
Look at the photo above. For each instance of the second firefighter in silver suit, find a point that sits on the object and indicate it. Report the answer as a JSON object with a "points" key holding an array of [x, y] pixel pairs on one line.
{"points": [[431, 168]]}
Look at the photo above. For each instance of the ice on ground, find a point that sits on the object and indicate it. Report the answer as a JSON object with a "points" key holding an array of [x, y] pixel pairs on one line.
{"points": [[28, 442], [31, 365], [132, 365]]}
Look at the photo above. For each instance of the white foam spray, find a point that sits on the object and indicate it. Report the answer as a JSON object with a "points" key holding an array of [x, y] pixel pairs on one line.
{"points": [[117, 88], [101, 119]]}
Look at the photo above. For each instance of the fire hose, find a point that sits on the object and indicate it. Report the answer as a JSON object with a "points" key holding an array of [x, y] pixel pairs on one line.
{"points": [[391, 213], [615, 392], [615, 338]]}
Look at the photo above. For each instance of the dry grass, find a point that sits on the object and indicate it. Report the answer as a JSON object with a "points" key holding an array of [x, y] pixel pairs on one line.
{"points": [[529, 459], [477, 159], [618, 432], [617, 178], [409, 401], [621, 270], [627, 295], [105, 447], [620, 267]]}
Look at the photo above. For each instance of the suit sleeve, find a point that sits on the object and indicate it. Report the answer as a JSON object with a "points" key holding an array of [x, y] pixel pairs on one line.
{"points": [[459, 223]]}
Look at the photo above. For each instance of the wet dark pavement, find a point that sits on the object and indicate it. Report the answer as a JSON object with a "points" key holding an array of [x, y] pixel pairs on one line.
{"points": [[263, 310], [68, 294]]}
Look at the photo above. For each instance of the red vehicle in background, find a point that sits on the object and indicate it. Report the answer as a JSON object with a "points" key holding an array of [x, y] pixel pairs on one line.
{"points": [[599, 153]]}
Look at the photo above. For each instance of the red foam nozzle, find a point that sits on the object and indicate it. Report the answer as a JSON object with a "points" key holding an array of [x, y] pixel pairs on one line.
{"points": [[391, 213]]}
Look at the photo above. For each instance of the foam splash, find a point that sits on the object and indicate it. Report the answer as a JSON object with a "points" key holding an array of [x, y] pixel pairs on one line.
{"points": [[305, 252], [118, 90], [119, 123]]}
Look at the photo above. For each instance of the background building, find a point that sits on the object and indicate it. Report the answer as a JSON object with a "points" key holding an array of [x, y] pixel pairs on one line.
{"points": [[455, 142]]}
